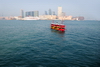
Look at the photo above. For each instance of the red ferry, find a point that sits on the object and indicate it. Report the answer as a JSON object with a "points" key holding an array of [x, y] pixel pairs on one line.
{"points": [[58, 27]]}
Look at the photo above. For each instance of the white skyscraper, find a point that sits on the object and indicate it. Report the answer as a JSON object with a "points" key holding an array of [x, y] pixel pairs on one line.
{"points": [[59, 11]]}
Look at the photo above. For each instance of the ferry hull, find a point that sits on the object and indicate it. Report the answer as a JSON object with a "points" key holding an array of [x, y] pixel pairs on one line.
{"points": [[58, 27]]}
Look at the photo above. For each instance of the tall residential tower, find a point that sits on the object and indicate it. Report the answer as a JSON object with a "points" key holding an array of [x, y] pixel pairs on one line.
{"points": [[36, 13], [32, 13], [50, 12], [59, 11], [22, 13], [46, 13]]}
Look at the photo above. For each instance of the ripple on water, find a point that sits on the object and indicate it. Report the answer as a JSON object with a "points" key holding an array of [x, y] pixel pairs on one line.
{"points": [[34, 44]]}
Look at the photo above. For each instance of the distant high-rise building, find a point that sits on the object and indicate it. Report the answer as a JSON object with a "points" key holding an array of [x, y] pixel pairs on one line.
{"points": [[32, 13], [50, 12], [28, 13], [36, 13], [22, 13], [46, 13], [59, 11], [53, 13], [63, 14]]}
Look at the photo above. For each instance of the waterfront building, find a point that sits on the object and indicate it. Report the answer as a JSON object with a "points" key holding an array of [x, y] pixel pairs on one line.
{"points": [[32, 13], [47, 17], [80, 18], [59, 11], [28, 14], [22, 13], [36, 13], [65, 17]]}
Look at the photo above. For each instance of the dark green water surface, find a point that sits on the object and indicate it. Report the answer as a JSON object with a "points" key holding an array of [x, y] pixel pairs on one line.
{"points": [[34, 44]]}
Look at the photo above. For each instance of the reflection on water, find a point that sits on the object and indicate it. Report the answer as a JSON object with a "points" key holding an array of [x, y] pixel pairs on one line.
{"points": [[60, 33]]}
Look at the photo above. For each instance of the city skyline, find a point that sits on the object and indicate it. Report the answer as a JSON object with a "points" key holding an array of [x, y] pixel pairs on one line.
{"points": [[31, 13], [89, 10]]}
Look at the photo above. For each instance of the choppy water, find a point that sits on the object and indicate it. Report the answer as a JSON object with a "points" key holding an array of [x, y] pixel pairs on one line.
{"points": [[34, 44]]}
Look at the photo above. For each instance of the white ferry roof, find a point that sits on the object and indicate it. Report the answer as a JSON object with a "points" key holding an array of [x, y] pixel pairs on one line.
{"points": [[57, 23]]}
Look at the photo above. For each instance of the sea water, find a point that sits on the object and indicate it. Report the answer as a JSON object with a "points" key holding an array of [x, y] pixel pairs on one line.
{"points": [[34, 44]]}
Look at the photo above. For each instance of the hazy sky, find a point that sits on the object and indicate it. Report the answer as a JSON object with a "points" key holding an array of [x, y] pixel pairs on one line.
{"points": [[90, 9]]}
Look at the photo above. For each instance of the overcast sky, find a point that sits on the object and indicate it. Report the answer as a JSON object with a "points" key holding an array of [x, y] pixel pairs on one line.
{"points": [[90, 9]]}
